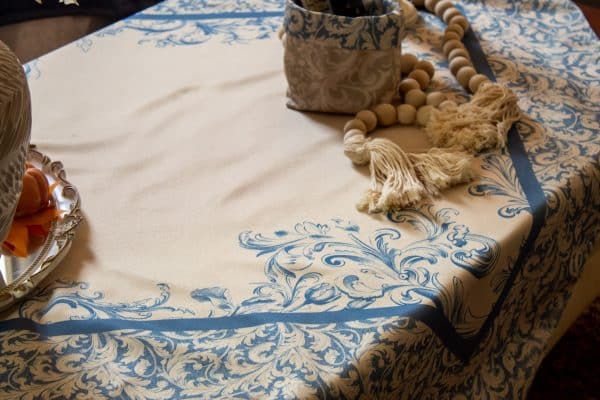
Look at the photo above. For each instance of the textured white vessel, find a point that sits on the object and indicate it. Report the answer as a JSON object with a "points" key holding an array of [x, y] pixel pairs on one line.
{"points": [[15, 128]]}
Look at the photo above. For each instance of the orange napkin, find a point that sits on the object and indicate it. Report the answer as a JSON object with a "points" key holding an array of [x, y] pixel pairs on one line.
{"points": [[24, 229]]}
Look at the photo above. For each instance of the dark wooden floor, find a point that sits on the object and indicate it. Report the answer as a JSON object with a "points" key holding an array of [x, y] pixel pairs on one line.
{"points": [[571, 371], [591, 9]]}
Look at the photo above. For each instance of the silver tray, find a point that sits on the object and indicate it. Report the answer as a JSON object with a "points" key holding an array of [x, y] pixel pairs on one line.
{"points": [[20, 275]]}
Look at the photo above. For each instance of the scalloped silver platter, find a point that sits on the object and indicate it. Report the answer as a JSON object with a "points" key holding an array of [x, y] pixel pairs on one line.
{"points": [[18, 275]]}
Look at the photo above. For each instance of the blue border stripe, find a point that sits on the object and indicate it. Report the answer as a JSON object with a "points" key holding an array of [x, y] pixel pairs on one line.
{"points": [[431, 316], [531, 188], [74, 327], [195, 17]]}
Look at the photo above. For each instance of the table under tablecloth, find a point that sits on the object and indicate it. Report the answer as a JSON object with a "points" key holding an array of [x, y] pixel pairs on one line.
{"points": [[222, 255]]}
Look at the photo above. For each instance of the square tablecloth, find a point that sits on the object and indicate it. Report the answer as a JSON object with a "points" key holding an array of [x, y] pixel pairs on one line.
{"points": [[222, 256]]}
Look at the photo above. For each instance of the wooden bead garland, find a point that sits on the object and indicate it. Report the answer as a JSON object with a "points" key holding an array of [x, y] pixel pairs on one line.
{"points": [[386, 114], [475, 81], [441, 7], [407, 114], [407, 85], [456, 29], [413, 90], [449, 13], [426, 66], [417, 105], [457, 63], [407, 63], [420, 76], [464, 75], [369, 118], [451, 36], [458, 56], [459, 52], [400, 179], [430, 4], [355, 124], [435, 99], [415, 98]]}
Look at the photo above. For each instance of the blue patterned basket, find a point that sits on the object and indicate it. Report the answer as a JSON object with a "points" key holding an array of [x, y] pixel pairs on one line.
{"points": [[342, 64]]}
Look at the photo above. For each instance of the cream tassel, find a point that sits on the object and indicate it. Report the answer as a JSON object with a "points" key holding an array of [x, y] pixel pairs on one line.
{"points": [[401, 180], [481, 124], [439, 169], [393, 179]]}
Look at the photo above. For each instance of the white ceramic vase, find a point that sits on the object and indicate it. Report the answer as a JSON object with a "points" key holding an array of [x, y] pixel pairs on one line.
{"points": [[15, 128]]}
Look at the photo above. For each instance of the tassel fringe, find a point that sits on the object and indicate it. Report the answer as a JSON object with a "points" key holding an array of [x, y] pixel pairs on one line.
{"points": [[479, 125], [401, 180], [440, 169]]}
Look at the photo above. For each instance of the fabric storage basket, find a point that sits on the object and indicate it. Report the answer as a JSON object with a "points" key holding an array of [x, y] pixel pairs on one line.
{"points": [[342, 64]]}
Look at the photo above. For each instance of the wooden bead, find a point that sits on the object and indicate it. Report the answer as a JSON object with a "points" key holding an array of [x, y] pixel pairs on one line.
{"points": [[447, 105], [451, 36], [407, 62], [415, 97], [430, 5], [459, 53], [407, 114], [449, 13], [456, 28], [420, 76], [451, 45], [355, 124], [476, 81], [418, 3], [408, 84], [457, 63], [461, 21], [424, 114], [464, 74], [386, 114], [426, 66], [369, 118], [441, 7], [435, 98]]}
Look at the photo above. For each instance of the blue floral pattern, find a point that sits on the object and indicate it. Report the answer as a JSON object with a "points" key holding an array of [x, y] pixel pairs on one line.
{"points": [[175, 31], [318, 268], [377, 271], [193, 22], [501, 181], [84, 44], [271, 357], [85, 305], [280, 360]]}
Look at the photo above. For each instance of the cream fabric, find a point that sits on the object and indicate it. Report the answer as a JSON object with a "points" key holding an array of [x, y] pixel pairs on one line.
{"points": [[179, 168]]}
